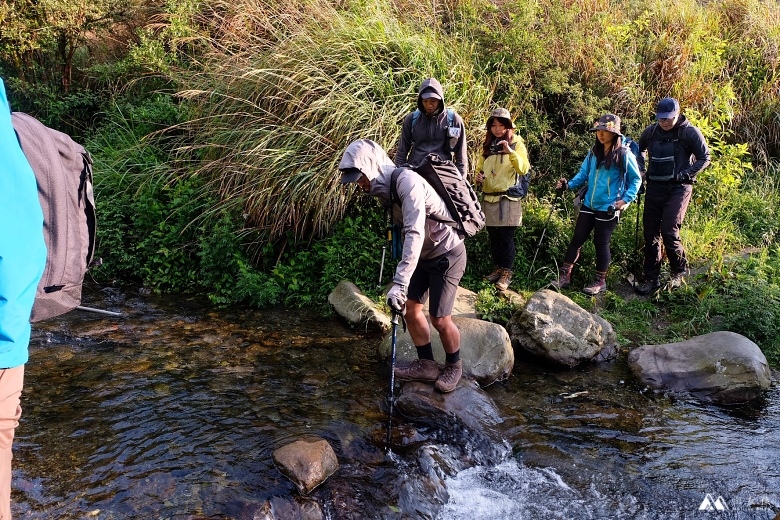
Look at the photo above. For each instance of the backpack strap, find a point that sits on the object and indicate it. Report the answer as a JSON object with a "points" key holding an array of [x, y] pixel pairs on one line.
{"points": [[393, 188]]}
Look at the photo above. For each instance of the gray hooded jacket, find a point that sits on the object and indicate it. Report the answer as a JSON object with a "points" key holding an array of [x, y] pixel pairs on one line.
{"points": [[424, 238], [430, 134]]}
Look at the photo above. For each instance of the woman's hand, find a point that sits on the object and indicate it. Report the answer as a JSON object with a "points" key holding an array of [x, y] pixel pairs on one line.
{"points": [[479, 177], [561, 185], [620, 204]]}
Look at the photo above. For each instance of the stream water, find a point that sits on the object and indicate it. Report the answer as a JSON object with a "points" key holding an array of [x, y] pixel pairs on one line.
{"points": [[173, 411]]}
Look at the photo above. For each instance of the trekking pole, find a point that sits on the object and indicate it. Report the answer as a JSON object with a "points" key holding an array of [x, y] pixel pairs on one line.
{"points": [[558, 193], [99, 311], [384, 248], [381, 266], [391, 396], [636, 233]]}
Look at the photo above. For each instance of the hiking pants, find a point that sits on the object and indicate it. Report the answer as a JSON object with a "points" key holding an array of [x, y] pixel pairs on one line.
{"points": [[602, 226], [502, 246], [665, 207]]}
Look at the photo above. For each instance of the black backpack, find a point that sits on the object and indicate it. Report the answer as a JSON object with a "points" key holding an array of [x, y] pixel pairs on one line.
{"points": [[63, 169], [458, 195]]}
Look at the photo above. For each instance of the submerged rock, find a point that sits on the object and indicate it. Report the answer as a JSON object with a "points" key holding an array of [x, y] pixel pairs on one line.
{"points": [[466, 417], [307, 463], [720, 367], [551, 326]]}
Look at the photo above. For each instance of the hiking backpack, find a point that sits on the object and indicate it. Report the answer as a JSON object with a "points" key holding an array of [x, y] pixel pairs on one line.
{"points": [[458, 195], [63, 170]]}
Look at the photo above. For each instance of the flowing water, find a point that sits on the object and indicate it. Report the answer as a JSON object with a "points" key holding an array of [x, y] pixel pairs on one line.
{"points": [[173, 412]]}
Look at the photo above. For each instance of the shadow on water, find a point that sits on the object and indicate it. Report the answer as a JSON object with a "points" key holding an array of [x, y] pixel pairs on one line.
{"points": [[174, 411]]}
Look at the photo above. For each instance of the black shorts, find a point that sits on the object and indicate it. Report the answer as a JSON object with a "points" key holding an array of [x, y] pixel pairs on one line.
{"points": [[440, 278]]}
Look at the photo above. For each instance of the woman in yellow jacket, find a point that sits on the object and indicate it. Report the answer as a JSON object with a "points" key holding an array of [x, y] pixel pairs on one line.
{"points": [[502, 162]]}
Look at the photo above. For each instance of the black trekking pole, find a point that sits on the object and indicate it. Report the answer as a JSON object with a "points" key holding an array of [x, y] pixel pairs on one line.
{"points": [[558, 193], [638, 211], [391, 396]]}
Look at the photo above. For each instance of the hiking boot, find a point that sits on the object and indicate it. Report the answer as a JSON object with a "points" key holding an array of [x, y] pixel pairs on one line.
{"points": [[647, 287], [596, 286], [564, 280], [676, 280], [502, 284], [418, 370], [494, 276], [449, 377]]}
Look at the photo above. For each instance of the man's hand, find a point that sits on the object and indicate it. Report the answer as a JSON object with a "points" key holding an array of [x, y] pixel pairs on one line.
{"points": [[396, 298]]}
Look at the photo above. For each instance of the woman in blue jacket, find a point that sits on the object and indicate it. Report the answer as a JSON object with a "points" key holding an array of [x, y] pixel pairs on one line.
{"points": [[612, 176]]}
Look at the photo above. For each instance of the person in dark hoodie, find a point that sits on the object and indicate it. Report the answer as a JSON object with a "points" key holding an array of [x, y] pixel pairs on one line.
{"points": [[432, 129], [676, 153], [22, 260], [431, 265]]}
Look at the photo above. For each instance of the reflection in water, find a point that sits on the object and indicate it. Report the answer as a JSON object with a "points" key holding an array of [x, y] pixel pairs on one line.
{"points": [[174, 411]]}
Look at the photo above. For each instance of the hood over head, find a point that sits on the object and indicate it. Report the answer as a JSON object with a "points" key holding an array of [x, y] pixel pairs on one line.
{"points": [[428, 87], [364, 156]]}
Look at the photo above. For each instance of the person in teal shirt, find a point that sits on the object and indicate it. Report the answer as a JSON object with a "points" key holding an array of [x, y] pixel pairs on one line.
{"points": [[22, 260]]}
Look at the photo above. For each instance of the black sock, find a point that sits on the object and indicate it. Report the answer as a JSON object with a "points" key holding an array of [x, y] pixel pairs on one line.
{"points": [[454, 357], [425, 351]]}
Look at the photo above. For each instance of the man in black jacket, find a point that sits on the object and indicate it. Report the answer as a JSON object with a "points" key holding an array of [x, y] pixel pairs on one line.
{"points": [[676, 153]]}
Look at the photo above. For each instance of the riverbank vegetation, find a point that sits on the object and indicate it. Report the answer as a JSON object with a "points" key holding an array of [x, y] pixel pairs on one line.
{"points": [[216, 128]]}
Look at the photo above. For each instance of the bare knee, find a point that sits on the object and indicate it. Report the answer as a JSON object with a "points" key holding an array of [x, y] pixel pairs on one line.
{"points": [[441, 323]]}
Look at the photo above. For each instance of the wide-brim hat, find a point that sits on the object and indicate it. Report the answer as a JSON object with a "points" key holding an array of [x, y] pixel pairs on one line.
{"points": [[608, 122], [502, 114]]}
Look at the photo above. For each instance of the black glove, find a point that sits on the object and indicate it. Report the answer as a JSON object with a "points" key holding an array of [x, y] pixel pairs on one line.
{"points": [[684, 178]]}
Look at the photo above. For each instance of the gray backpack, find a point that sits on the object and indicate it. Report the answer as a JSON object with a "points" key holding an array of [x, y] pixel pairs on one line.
{"points": [[63, 169]]}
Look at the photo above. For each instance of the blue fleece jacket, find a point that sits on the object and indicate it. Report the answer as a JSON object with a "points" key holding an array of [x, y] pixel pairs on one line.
{"points": [[607, 186], [22, 247]]}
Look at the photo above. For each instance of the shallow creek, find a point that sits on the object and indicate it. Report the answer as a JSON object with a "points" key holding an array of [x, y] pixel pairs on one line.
{"points": [[173, 411]]}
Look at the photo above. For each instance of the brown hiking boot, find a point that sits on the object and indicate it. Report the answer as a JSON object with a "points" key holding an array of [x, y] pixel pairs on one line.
{"points": [[418, 370], [564, 280], [449, 377], [502, 284], [494, 276], [598, 285]]}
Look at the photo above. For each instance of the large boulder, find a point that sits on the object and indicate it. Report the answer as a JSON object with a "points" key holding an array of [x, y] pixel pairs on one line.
{"points": [[306, 462], [551, 326], [485, 349], [352, 305], [721, 367]]}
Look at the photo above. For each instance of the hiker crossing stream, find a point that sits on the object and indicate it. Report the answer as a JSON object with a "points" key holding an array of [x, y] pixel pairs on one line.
{"points": [[174, 410]]}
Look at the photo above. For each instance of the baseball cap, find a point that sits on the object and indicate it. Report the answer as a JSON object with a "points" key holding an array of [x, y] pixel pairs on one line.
{"points": [[667, 108], [350, 175], [430, 94]]}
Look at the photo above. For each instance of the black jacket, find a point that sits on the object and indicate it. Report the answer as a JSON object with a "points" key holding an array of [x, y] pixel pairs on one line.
{"points": [[690, 150]]}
